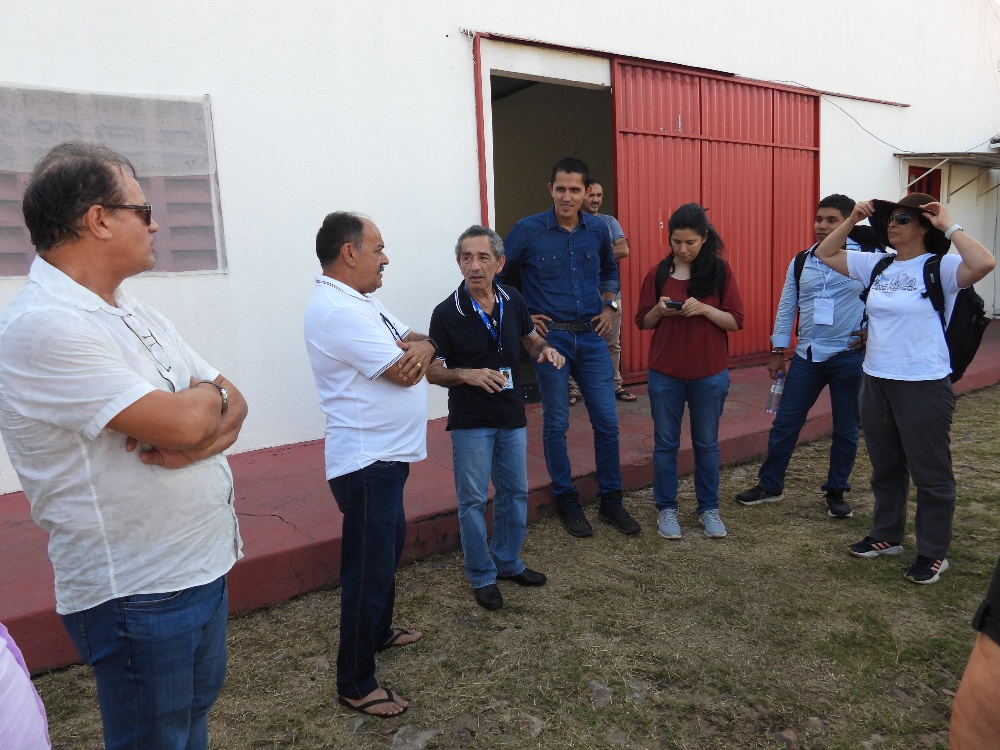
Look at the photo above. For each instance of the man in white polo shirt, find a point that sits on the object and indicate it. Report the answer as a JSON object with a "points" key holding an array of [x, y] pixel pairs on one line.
{"points": [[369, 369], [116, 429]]}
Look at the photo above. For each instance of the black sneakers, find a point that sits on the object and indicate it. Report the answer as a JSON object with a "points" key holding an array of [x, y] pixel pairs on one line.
{"points": [[871, 547], [836, 506], [573, 520], [618, 516], [757, 495], [926, 570]]}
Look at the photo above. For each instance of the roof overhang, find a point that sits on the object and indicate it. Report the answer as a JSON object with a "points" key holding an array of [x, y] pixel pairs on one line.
{"points": [[982, 161]]}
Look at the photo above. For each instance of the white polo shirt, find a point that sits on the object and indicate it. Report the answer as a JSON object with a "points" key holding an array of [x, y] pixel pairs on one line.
{"points": [[68, 365], [351, 340]]}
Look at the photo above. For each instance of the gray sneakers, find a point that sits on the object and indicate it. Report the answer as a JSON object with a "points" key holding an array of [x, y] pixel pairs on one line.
{"points": [[714, 527], [666, 521]]}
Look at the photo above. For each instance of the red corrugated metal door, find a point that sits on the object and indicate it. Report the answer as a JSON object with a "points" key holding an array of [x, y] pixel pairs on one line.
{"points": [[747, 152]]}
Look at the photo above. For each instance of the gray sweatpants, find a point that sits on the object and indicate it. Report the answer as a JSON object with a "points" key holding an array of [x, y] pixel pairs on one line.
{"points": [[907, 428]]}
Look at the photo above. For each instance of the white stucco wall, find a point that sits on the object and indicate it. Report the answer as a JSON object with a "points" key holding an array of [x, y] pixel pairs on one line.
{"points": [[321, 106]]}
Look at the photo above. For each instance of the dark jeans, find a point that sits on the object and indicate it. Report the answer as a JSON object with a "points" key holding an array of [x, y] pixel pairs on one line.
{"points": [[374, 532], [803, 385], [908, 432], [588, 361], [159, 661]]}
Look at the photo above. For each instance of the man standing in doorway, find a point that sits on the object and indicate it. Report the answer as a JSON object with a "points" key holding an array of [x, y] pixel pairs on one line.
{"points": [[570, 284], [116, 429], [480, 329], [619, 245], [369, 370], [830, 352]]}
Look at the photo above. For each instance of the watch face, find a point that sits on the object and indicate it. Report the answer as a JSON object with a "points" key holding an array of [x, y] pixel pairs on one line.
{"points": [[613, 304]]}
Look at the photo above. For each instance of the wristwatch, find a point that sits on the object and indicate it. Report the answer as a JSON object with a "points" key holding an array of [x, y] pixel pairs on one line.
{"points": [[613, 304], [778, 350], [222, 391]]}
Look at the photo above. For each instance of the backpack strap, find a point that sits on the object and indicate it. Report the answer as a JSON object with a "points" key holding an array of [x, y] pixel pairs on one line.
{"points": [[798, 265], [933, 287], [662, 272], [880, 266]]}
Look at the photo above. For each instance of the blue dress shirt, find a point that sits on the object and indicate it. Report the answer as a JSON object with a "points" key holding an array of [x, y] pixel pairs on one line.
{"points": [[563, 274], [818, 342]]}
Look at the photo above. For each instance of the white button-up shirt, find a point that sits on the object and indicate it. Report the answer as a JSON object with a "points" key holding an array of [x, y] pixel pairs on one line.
{"points": [[69, 363], [351, 340]]}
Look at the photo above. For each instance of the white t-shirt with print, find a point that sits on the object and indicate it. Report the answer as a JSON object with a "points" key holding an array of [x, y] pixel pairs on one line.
{"points": [[905, 337]]}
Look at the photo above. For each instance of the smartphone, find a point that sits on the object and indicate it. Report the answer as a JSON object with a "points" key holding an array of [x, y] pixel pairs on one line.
{"points": [[674, 305]]}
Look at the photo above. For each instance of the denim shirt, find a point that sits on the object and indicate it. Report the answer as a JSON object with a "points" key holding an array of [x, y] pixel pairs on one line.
{"points": [[563, 274], [818, 343]]}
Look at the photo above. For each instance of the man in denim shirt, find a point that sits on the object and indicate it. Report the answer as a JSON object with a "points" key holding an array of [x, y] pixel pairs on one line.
{"points": [[830, 352], [570, 283]]}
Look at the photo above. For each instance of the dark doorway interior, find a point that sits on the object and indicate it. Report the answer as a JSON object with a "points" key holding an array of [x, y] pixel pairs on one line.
{"points": [[535, 124]]}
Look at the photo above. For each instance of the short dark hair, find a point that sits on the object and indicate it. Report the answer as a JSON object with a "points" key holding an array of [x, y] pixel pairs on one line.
{"points": [[571, 165], [64, 184], [841, 203], [338, 229], [477, 231]]}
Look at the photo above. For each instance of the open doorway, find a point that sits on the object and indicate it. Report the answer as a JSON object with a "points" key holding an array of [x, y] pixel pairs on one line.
{"points": [[535, 124]]}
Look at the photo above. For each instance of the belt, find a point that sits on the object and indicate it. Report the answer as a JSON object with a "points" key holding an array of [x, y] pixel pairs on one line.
{"points": [[573, 327]]}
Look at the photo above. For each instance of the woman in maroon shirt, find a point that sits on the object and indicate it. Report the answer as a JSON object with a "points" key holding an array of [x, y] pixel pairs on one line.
{"points": [[689, 316]]}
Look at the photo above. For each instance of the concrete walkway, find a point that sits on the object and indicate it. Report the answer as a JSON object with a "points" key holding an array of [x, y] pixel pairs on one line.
{"points": [[291, 526]]}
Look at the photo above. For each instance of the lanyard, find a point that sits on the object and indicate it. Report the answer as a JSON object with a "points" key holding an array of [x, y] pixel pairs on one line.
{"points": [[495, 331]]}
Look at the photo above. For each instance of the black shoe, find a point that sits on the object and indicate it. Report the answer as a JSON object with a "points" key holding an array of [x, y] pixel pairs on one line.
{"points": [[527, 577], [489, 597], [757, 495], [573, 520], [926, 570], [616, 514], [836, 506]]}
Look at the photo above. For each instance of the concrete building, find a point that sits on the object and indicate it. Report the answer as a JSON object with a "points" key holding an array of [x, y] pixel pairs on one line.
{"points": [[432, 116]]}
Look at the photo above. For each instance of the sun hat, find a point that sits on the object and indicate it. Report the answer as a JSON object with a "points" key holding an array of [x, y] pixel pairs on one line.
{"points": [[934, 239]]}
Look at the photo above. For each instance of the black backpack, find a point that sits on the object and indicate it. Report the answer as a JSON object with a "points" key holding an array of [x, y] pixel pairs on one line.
{"points": [[964, 332]]}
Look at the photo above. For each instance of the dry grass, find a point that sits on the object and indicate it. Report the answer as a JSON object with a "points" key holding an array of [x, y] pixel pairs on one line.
{"points": [[771, 638]]}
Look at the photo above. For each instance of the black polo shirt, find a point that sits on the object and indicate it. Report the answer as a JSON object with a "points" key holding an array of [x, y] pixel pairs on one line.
{"points": [[464, 341]]}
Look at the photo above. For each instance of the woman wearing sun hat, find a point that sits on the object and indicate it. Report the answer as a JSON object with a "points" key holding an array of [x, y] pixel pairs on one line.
{"points": [[907, 399]]}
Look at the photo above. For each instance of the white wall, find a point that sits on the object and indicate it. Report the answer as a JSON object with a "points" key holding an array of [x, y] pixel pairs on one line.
{"points": [[321, 106]]}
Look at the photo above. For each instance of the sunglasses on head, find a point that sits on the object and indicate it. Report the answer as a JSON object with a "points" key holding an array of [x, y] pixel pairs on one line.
{"points": [[146, 210], [901, 218]]}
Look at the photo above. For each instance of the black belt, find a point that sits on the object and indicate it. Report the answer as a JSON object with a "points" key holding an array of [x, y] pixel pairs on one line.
{"points": [[573, 327]]}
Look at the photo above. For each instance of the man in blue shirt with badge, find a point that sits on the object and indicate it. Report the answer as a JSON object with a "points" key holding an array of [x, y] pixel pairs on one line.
{"points": [[479, 331], [570, 283], [830, 352]]}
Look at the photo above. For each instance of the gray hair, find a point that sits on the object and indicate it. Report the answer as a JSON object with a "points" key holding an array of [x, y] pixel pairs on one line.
{"points": [[477, 231]]}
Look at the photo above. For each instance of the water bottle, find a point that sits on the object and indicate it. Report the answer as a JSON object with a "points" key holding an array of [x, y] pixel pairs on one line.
{"points": [[774, 398]]}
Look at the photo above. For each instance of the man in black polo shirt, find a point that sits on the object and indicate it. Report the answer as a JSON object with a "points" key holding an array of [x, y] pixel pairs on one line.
{"points": [[478, 330]]}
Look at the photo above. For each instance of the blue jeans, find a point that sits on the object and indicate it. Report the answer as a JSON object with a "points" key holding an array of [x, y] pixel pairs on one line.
{"points": [[705, 398], [374, 532], [480, 453], [159, 661], [803, 385], [588, 361]]}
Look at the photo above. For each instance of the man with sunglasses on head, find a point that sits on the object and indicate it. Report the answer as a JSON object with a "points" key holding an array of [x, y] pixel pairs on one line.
{"points": [[116, 428], [369, 369]]}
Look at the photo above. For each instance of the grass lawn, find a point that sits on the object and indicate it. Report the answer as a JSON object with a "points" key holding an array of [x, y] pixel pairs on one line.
{"points": [[771, 638]]}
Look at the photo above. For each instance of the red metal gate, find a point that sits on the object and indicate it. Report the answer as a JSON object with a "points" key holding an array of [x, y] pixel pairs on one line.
{"points": [[747, 151]]}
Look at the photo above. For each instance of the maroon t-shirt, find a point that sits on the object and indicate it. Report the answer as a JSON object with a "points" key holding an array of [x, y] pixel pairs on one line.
{"points": [[688, 348]]}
